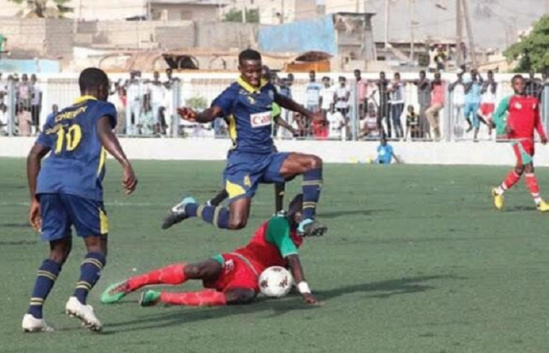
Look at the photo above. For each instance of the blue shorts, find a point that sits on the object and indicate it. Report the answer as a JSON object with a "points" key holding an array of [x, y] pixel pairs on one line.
{"points": [[244, 172], [61, 211], [472, 108]]}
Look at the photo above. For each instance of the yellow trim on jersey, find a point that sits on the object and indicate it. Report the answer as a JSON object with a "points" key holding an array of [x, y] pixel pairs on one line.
{"points": [[104, 222], [249, 88], [232, 129], [82, 99], [102, 158], [233, 189]]}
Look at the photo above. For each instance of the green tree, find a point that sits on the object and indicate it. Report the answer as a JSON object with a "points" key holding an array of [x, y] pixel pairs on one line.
{"points": [[234, 15], [532, 52], [44, 8]]}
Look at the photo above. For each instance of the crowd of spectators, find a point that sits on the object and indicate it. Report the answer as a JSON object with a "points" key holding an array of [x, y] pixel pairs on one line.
{"points": [[383, 106], [28, 103]]}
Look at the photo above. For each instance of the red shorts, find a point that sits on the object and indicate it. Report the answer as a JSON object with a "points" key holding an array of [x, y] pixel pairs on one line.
{"points": [[235, 274], [524, 151], [487, 108]]}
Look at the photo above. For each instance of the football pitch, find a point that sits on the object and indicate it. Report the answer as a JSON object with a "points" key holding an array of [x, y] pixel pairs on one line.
{"points": [[416, 260]]}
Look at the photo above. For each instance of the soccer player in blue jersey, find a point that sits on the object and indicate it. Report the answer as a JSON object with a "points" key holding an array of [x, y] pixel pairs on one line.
{"points": [[66, 190], [253, 159]]}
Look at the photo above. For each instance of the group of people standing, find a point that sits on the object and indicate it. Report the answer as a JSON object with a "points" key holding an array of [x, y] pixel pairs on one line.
{"points": [[28, 103], [147, 103]]}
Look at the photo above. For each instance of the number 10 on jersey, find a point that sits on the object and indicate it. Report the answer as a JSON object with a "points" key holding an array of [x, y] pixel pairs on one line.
{"points": [[68, 138]]}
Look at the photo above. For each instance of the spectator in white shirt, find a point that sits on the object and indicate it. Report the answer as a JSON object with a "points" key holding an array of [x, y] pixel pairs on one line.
{"points": [[312, 92], [396, 102], [36, 103], [327, 96], [457, 90], [336, 124], [342, 95], [157, 96], [135, 100]]}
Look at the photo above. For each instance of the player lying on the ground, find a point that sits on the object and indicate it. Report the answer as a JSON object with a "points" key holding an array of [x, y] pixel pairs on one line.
{"points": [[66, 190], [253, 159], [523, 118], [230, 278]]}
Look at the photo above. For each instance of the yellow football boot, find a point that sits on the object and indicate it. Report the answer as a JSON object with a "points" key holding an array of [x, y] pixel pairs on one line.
{"points": [[499, 199], [543, 206]]}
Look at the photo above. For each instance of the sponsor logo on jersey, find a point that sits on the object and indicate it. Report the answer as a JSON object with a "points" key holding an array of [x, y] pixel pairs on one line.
{"points": [[258, 120]]}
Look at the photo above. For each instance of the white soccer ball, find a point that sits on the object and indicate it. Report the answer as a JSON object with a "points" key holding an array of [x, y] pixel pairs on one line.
{"points": [[275, 282]]}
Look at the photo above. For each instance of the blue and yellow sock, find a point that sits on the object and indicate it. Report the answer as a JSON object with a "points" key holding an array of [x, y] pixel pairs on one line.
{"points": [[90, 271], [312, 184], [47, 274], [218, 216]]}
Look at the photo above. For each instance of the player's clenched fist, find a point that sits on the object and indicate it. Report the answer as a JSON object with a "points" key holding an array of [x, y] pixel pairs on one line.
{"points": [[187, 114]]}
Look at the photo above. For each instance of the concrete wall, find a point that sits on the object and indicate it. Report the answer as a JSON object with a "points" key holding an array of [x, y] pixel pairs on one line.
{"points": [[459, 153], [167, 34], [46, 38], [185, 12], [226, 35]]}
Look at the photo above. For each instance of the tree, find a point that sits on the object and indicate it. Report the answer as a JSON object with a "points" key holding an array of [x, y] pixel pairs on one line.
{"points": [[234, 15], [43, 8], [532, 50]]}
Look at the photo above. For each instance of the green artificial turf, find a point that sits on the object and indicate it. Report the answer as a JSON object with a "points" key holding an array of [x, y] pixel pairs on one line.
{"points": [[416, 260]]}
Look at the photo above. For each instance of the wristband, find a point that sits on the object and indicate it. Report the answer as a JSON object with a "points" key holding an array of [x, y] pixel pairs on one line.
{"points": [[303, 288]]}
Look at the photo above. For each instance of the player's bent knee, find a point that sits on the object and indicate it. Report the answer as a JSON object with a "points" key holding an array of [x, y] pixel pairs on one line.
{"points": [[237, 223], [315, 162]]}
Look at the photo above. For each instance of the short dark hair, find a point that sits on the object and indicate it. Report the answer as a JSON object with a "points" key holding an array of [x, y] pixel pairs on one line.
{"points": [[517, 76], [91, 78], [248, 54]]}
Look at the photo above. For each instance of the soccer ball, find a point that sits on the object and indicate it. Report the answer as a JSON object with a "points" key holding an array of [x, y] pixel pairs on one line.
{"points": [[275, 282]]}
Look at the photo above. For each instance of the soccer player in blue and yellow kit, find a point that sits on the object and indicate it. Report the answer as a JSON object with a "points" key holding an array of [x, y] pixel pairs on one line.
{"points": [[253, 159], [66, 190]]}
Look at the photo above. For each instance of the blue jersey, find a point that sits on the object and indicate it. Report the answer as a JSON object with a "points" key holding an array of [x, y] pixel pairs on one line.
{"points": [[76, 164], [250, 115], [384, 154]]}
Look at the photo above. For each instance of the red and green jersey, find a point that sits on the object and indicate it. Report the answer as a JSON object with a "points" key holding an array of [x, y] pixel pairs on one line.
{"points": [[271, 244], [523, 117]]}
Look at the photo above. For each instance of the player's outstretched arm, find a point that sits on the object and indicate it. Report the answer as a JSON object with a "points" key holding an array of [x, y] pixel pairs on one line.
{"points": [[112, 145], [34, 159], [290, 104], [299, 278], [205, 116]]}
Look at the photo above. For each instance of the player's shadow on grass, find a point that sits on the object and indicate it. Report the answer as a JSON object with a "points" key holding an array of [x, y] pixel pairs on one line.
{"points": [[277, 307], [338, 214], [521, 208]]}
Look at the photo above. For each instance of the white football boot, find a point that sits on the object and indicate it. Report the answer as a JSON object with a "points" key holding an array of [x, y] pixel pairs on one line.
{"points": [[84, 312], [32, 324]]}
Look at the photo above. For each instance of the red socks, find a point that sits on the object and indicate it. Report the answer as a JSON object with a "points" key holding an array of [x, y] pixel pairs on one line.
{"points": [[173, 274], [208, 297], [510, 181], [532, 184]]}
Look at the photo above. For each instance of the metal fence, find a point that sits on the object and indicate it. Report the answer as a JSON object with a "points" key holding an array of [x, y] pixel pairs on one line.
{"points": [[198, 93]]}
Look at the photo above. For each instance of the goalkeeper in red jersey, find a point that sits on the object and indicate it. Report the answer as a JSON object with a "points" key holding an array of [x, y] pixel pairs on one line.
{"points": [[230, 278], [523, 117]]}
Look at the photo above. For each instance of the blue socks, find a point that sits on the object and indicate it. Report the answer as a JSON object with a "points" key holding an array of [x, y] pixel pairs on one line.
{"points": [[218, 216], [47, 274], [90, 271], [312, 184]]}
